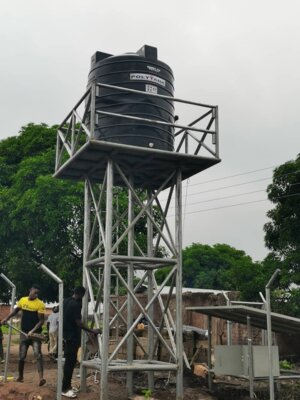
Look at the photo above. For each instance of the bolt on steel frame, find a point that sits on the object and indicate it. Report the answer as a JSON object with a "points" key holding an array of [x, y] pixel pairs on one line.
{"points": [[126, 229]]}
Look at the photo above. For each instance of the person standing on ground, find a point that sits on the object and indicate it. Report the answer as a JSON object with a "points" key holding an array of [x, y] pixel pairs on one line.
{"points": [[52, 324], [33, 311], [72, 326]]}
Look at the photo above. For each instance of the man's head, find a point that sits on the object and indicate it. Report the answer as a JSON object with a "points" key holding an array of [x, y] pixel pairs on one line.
{"points": [[34, 292], [79, 292]]}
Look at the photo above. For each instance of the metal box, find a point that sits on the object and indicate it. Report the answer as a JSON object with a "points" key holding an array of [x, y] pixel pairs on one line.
{"points": [[234, 360]]}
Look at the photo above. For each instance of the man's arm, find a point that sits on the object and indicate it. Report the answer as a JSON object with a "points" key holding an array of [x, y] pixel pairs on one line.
{"points": [[11, 314], [82, 326]]}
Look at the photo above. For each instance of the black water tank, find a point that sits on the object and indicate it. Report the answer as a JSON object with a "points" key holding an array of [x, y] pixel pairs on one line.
{"points": [[140, 71]]}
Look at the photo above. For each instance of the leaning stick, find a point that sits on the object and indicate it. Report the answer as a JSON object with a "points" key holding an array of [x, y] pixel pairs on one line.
{"points": [[36, 336]]}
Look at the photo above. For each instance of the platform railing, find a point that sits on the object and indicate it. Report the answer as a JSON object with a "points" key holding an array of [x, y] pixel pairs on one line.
{"points": [[80, 124]]}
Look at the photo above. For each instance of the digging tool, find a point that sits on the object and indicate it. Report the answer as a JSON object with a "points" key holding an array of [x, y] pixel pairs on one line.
{"points": [[36, 336]]}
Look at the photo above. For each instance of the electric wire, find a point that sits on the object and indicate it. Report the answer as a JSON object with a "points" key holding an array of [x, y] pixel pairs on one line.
{"points": [[234, 176], [240, 204], [244, 173], [231, 196]]}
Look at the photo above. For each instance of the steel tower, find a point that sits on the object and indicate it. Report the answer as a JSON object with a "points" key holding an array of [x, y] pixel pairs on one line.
{"points": [[112, 250]]}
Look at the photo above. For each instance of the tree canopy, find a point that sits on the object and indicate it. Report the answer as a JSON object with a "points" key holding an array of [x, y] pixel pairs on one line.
{"points": [[219, 267], [41, 217], [282, 234]]}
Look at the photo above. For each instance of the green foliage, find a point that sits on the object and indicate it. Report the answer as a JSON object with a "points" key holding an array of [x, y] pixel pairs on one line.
{"points": [[219, 267], [285, 364], [41, 217], [282, 235], [147, 393]]}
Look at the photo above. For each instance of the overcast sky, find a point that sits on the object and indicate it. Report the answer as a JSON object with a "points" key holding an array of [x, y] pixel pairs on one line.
{"points": [[242, 55]]}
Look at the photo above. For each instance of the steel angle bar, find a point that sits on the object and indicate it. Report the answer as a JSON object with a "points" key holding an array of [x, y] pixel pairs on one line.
{"points": [[120, 219], [169, 314], [106, 282], [139, 284], [86, 233], [202, 144], [143, 367], [73, 124], [164, 214], [130, 277], [186, 143], [164, 316], [203, 137], [65, 143], [92, 234], [134, 335], [62, 148], [150, 291], [82, 119], [97, 205], [129, 332], [181, 142], [216, 112], [93, 110], [60, 327], [145, 309], [99, 292], [99, 283], [144, 209], [166, 305], [69, 130], [161, 96], [124, 339], [82, 98], [194, 122], [152, 121], [97, 320], [178, 236], [141, 260], [57, 153]]}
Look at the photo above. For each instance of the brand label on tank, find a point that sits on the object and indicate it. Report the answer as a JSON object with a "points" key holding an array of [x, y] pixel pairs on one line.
{"points": [[151, 89], [148, 78]]}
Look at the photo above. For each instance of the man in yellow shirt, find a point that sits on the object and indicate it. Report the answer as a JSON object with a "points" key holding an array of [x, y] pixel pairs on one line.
{"points": [[33, 311]]}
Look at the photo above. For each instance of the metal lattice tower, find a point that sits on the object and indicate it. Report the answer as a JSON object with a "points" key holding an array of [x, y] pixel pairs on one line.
{"points": [[112, 247]]}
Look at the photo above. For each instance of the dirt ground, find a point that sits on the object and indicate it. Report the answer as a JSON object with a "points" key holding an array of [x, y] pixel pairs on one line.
{"points": [[29, 389]]}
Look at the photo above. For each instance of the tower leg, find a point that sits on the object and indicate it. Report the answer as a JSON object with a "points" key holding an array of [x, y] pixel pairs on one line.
{"points": [[130, 276], [106, 281], [178, 244]]}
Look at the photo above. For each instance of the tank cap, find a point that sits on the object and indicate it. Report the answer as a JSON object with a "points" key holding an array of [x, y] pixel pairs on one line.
{"points": [[148, 52], [98, 56]]}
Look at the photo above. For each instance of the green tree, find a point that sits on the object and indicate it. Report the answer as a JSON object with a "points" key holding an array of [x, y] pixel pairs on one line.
{"points": [[282, 234], [219, 267], [41, 217]]}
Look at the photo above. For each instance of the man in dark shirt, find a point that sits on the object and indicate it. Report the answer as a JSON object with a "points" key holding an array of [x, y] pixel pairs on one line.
{"points": [[72, 325], [33, 310]]}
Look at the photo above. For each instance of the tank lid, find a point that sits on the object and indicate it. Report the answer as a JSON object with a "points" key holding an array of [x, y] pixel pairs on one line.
{"points": [[145, 51], [148, 52], [98, 56]]}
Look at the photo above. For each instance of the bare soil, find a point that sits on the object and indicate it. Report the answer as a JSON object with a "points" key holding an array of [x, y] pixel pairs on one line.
{"points": [[29, 389]]}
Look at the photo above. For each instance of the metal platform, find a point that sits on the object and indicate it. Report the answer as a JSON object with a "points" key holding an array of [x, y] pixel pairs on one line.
{"points": [[148, 167], [136, 365], [280, 323]]}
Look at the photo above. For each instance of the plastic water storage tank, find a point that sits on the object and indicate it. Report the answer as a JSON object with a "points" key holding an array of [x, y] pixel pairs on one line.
{"points": [[140, 71]]}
